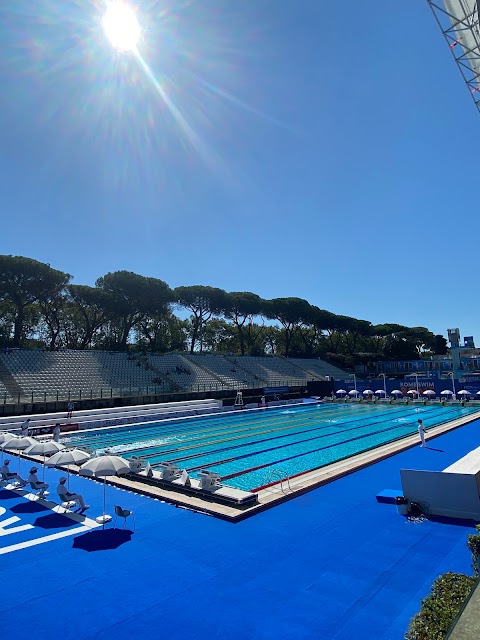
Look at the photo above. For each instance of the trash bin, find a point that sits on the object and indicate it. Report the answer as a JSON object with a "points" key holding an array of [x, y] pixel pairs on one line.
{"points": [[402, 505]]}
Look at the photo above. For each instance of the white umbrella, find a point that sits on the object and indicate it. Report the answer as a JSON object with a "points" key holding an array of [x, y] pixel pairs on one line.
{"points": [[18, 443], [66, 457], [46, 448], [102, 467], [429, 392], [464, 392], [353, 392], [367, 392], [341, 392], [4, 436], [396, 392], [446, 392], [478, 393], [379, 392], [412, 392]]}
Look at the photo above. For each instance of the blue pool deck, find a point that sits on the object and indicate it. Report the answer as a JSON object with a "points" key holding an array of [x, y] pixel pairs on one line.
{"points": [[330, 564]]}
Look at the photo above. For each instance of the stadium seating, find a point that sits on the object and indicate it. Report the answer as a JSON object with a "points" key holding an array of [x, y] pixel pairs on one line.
{"points": [[4, 394], [229, 372], [274, 371], [316, 368], [28, 372], [185, 373], [72, 371]]}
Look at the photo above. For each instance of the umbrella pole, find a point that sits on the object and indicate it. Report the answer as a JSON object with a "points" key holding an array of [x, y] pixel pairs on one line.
{"points": [[68, 478], [44, 458], [104, 497]]}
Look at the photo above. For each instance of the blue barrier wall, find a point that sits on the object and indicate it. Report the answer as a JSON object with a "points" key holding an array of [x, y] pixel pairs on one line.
{"points": [[469, 383]]}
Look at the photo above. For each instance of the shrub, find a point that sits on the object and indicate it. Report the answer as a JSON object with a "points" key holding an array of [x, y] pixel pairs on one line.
{"points": [[473, 543], [440, 607]]}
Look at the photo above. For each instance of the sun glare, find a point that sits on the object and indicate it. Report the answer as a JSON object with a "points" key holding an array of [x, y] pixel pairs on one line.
{"points": [[121, 26]]}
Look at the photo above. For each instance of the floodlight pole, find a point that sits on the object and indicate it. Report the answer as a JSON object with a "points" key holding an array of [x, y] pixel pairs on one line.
{"points": [[382, 375], [354, 380], [416, 381], [452, 373]]}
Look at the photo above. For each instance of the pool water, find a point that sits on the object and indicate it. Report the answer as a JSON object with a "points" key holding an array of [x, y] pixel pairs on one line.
{"points": [[249, 449]]}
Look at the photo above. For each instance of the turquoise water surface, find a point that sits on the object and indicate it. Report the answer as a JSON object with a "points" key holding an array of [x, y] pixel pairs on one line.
{"points": [[247, 447]]}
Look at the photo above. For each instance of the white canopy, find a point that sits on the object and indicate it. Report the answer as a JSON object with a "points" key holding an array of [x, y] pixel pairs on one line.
{"points": [[104, 466]]}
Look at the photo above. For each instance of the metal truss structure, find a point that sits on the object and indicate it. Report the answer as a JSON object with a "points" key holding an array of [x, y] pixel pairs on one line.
{"points": [[459, 23]]}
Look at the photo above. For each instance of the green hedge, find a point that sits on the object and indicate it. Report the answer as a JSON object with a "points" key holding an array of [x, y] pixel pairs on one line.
{"points": [[439, 609]]}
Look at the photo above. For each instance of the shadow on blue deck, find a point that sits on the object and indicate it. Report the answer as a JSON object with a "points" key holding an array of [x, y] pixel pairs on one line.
{"points": [[102, 540], [55, 521], [28, 507]]}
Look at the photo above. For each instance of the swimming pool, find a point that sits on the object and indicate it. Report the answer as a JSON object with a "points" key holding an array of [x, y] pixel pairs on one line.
{"points": [[246, 448]]}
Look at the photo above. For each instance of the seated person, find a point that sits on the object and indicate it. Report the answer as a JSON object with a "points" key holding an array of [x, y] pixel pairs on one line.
{"points": [[66, 496], [32, 478], [6, 475]]}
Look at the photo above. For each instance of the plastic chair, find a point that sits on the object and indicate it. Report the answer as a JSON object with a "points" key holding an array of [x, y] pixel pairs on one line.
{"points": [[40, 489], [124, 513], [6, 481], [66, 503]]}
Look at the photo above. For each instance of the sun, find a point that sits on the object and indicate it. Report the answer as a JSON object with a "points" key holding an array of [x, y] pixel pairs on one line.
{"points": [[121, 26]]}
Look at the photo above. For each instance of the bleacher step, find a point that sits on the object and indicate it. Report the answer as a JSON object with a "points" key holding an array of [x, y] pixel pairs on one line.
{"points": [[8, 380]]}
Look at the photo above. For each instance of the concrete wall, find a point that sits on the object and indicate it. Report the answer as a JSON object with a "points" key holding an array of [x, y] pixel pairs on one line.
{"points": [[453, 495]]}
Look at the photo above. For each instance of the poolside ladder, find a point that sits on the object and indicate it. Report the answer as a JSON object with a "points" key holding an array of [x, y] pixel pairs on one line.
{"points": [[277, 475]]}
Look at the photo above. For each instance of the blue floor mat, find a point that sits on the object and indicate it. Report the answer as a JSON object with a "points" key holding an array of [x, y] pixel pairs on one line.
{"points": [[331, 564]]}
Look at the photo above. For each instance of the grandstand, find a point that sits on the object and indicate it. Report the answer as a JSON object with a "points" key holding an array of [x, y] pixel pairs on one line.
{"points": [[227, 370], [38, 375], [183, 373], [65, 373], [318, 369]]}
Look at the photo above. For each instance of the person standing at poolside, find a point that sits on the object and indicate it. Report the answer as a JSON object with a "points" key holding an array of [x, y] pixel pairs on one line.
{"points": [[24, 427], [70, 408], [56, 432], [421, 431]]}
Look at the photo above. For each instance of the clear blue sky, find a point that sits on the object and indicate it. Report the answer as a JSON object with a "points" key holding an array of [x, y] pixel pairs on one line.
{"points": [[325, 150]]}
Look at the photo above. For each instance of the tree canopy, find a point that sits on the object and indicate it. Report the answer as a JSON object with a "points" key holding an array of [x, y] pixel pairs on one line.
{"points": [[132, 298], [24, 282], [39, 305]]}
